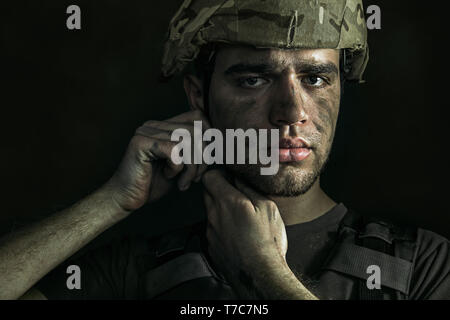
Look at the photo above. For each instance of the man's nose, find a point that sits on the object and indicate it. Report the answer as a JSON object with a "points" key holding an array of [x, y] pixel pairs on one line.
{"points": [[289, 102]]}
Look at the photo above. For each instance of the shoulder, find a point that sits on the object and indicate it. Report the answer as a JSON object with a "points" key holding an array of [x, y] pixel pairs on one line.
{"points": [[142, 252], [430, 241], [432, 248], [427, 253], [134, 245], [113, 270], [431, 276]]}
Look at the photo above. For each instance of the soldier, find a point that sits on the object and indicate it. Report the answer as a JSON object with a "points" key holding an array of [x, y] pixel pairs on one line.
{"points": [[259, 64]]}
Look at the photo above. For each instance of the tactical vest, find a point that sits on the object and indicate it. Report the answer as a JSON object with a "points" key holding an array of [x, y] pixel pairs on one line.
{"points": [[364, 242], [181, 268]]}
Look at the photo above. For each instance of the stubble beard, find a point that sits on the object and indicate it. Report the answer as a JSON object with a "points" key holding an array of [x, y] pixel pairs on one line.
{"points": [[292, 179]]}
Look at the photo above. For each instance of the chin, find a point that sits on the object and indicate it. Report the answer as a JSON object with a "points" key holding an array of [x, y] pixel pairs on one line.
{"points": [[290, 181]]}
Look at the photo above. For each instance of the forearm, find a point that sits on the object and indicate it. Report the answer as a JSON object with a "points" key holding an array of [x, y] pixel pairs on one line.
{"points": [[283, 285], [274, 282], [29, 254]]}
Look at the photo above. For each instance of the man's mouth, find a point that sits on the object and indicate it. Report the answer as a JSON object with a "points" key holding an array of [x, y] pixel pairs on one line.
{"points": [[294, 149]]}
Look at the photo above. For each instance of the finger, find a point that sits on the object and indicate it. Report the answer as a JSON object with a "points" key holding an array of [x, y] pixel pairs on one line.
{"points": [[188, 175], [162, 130], [258, 200], [153, 133], [192, 172], [218, 186], [154, 150], [191, 116], [200, 171], [261, 203], [171, 169], [167, 126], [211, 211]]}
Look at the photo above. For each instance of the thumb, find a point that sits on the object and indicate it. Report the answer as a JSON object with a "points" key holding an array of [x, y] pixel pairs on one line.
{"points": [[255, 197]]}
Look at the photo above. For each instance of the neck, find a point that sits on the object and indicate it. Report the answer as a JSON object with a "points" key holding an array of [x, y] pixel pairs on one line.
{"points": [[305, 207]]}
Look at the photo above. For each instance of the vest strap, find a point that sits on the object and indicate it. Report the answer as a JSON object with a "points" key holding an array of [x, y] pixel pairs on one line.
{"points": [[354, 260]]}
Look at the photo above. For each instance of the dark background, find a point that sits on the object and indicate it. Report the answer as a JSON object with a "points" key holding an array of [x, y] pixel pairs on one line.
{"points": [[71, 100]]}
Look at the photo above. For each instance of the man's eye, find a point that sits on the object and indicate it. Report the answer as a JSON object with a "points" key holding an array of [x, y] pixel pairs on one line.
{"points": [[314, 81], [252, 82]]}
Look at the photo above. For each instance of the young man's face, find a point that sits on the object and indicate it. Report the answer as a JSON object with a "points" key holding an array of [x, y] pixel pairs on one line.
{"points": [[295, 91]]}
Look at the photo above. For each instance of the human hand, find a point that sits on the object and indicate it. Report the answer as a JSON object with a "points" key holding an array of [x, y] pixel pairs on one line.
{"points": [[147, 171], [246, 234]]}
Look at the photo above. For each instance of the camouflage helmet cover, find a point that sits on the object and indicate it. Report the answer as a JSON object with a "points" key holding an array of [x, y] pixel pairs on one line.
{"points": [[288, 24]]}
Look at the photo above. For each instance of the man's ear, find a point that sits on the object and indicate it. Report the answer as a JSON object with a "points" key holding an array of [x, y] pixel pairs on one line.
{"points": [[193, 87]]}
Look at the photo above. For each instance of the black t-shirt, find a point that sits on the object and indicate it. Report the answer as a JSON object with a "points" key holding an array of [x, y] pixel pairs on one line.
{"points": [[116, 271], [309, 245]]}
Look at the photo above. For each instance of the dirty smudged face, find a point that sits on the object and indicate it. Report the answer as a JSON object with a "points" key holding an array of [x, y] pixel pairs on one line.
{"points": [[295, 91]]}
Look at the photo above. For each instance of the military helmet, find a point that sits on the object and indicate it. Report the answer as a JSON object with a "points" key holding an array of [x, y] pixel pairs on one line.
{"points": [[284, 24]]}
